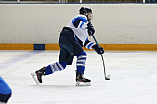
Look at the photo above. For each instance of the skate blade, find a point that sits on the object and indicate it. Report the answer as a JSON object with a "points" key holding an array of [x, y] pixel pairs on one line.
{"points": [[35, 78], [82, 84]]}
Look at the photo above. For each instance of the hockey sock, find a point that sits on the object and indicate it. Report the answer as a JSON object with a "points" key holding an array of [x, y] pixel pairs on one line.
{"points": [[58, 66], [80, 63]]}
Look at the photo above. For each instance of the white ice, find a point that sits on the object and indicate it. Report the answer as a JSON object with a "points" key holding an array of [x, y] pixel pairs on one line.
{"points": [[133, 78]]}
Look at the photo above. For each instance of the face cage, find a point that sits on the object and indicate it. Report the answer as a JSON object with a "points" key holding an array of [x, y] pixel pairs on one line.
{"points": [[89, 20]]}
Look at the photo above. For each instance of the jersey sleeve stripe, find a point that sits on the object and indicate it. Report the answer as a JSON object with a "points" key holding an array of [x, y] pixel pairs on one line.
{"points": [[89, 45]]}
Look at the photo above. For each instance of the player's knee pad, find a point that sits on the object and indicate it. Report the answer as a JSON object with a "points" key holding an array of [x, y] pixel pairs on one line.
{"points": [[66, 56], [80, 63], [83, 53]]}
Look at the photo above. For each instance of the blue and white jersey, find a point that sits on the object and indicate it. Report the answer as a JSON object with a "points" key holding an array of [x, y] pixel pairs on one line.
{"points": [[79, 25]]}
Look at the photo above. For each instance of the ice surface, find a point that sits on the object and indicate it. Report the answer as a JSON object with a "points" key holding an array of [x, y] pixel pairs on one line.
{"points": [[133, 78]]}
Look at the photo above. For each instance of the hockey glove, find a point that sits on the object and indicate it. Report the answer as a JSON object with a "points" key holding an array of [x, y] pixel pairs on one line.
{"points": [[91, 29], [97, 49]]}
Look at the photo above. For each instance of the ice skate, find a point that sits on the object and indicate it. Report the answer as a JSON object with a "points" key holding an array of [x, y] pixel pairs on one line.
{"points": [[37, 76], [81, 81]]}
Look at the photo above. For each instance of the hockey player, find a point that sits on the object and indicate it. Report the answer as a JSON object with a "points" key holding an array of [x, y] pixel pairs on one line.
{"points": [[72, 39], [5, 92]]}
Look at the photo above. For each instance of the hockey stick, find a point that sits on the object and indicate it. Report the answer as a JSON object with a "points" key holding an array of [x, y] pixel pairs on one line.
{"points": [[108, 76]]}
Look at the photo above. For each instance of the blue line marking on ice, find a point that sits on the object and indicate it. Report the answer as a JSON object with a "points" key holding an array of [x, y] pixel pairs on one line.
{"points": [[18, 59]]}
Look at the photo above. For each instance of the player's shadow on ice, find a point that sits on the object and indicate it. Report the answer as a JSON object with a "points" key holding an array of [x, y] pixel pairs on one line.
{"points": [[56, 86]]}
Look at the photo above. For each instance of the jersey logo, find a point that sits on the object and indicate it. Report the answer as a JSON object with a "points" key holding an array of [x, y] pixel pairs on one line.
{"points": [[79, 21]]}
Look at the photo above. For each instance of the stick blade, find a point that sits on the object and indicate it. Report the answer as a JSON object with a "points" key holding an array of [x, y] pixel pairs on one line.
{"points": [[107, 77]]}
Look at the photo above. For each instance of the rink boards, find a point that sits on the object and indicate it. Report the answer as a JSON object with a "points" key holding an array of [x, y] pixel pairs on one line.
{"points": [[130, 27], [107, 47]]}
